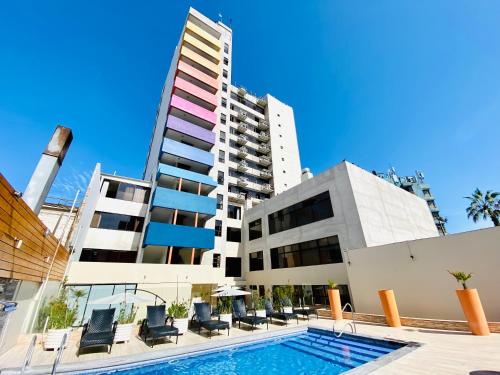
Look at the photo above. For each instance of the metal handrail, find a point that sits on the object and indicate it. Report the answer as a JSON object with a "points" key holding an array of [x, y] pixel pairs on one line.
{"points": [[29, 354], [351, 324], [59, 354]]}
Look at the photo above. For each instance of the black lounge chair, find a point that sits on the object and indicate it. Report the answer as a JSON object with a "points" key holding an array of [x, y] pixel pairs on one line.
{"points": [[204, 319], [306, 311], [155, 325], [270, 313], [240, 312], [99, 331]]}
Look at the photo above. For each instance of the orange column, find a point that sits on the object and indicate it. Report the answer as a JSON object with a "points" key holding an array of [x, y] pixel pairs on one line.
{"points": [[195, 224], [390, 307], [473, 311], [174, 221]]}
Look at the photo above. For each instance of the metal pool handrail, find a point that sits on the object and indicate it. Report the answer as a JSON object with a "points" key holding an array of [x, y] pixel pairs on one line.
{"points": [[352, 325], [29, 354], [59, 354]]}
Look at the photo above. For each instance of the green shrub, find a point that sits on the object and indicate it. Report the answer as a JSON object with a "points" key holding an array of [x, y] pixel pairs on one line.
{"points": [[224, 305], [124, 316], [178, 310], [461, 277]]}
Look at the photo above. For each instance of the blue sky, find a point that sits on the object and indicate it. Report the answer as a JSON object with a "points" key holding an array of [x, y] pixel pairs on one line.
{"points": [[409, 84]]}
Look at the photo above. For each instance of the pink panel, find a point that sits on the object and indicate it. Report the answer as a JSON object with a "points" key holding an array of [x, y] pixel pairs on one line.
{"points": [[195, 110], [195, 73], [195, 90]]}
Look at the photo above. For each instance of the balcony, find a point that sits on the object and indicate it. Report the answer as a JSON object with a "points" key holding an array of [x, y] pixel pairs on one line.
{"points": [[242, 152], [264, 149], [213, 41], [266, 174], [236, 197], [263, 125], [242, 140], [267, 188], [168, 177], [242, 166], [194, 110], [180, 200], [198, 75], [242, 91], [173, 152], [200, 60], [242, 116], [263, 136], [242, 127], [195, 94], [262, 102], [161, 234], [242, 181], [179, 129], [264, 160]]}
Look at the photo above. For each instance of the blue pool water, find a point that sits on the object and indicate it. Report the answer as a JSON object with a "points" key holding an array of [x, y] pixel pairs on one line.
{"points": [[310, 352]]}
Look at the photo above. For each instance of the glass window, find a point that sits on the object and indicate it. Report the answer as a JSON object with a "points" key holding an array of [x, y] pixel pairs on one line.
{"points": [[308, 211], [224, 73], [233, 234], [256, 261], [218, 228], [255, 229], [226, 48], [216, 261], [222, 119], [310, 253], [127, 192], [222, 156], [224, 102], [233, 267], [115, 256], [106, 220], [220, 177], [224, 87], [220, 198], [222, 135], [234, 212], [226, 61]]}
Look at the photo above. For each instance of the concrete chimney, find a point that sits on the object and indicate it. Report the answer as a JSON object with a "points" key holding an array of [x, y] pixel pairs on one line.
{"points": [[47, 168], [306, 174]]}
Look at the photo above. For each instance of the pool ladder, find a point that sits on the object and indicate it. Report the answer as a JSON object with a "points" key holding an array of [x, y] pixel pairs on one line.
{"points": [[29, 354], [351, 325], [59, 354]]}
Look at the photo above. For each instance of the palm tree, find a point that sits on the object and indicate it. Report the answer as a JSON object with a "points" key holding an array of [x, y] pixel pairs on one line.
{"points": [[487, 206]]}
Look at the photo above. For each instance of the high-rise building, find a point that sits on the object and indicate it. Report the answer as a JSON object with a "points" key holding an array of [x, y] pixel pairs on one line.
{"points": [[416, 185]]}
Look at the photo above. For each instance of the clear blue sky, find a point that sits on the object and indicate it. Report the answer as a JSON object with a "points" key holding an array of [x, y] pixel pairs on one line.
{"points": [[413, 84]]}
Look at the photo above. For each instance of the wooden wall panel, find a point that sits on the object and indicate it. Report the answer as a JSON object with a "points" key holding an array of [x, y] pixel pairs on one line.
{"points": [[32, 260]]}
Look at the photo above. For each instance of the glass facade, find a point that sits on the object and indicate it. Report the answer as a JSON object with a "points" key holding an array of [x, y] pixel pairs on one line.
{"points": [[310, 253], [101, 255], [233, 267], [106, 220], [233, 234], [256, 261], [308, 211], [127, 192], [255, 229]]}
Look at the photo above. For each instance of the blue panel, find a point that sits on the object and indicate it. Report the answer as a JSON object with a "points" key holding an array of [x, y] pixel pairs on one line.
{"points": [[183, 201], [186, 175], [160, 234], [188, 152]]}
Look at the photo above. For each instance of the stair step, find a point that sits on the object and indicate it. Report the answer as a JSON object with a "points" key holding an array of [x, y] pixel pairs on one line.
{"points": [[320, 354], [352, 342], [342, 350]]}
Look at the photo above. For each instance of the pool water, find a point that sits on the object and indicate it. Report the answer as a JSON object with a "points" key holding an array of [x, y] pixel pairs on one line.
{"points": [[311, 352]]}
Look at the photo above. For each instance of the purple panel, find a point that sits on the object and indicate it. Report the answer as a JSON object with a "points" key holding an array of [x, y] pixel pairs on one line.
{"points": [[195, 110], [188, 128]]}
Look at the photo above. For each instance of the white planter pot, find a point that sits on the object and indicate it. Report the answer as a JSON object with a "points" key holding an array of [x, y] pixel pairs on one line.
{"points": [[53, 338], [227, 318], [288, 309], [181, 324], [261, 313], [123, 332]]}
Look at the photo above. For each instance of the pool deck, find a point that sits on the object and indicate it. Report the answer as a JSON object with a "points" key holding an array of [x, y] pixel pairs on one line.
{"points": [[442, 352]]}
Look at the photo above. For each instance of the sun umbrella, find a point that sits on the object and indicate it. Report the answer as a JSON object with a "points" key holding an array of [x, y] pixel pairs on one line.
{"points": [[121, 297], [226, 287], [230, 293]]}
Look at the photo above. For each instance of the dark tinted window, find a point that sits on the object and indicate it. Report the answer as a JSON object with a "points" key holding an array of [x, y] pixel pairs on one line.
{"points": [[216, 261], [127, 192], [255, 229], [106, 220], [310, 253], [220, 200], [218, 228], [233, 234], [309, 211], [233, 212], [256, 261], [116, 256], [233, 267]]}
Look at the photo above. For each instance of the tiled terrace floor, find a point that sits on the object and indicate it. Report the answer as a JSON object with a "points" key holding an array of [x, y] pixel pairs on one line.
{"points": [[443, 352]]}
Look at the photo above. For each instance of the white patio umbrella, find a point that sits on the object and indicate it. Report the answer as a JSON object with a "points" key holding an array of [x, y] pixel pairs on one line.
{"points": [[230, 293], [226, 287], [121, 297]]}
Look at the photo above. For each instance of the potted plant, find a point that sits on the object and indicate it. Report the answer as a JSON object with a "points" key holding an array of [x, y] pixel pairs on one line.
{"points": [[334, 299], [179, 313], [471, 305], [125, 323], [61, 316], [224, 305], [259, 304]]}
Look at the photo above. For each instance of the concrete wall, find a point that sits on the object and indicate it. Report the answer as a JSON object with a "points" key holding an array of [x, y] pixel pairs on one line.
{"points": [[423, 287]]}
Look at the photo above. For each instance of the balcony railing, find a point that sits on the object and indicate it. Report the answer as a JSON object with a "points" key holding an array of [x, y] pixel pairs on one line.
{"points": [[242, 166], [242, 127], [263, 125], [262, 102], [242, 139], [242, 181], [242, 116], [264, 149], [264, 160], [266, 174], [242, 152], [263, 136], [242, 91], [236, 197], [267, 188]]}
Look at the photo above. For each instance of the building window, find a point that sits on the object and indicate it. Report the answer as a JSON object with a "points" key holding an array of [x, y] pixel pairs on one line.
{"points": [[234, 212], [255, 229], [222, 156], [106, 220], [224, 73], [218, 228], [115, 256], [220, 178], [216, 261], [233, 234], [233, 267], [220, 200], [223, 118], [310, 253], [226, 61], [127, 192], [308, 211], [222, 135], [256, 261], [224, 102], [226, 48], [224, 87]]}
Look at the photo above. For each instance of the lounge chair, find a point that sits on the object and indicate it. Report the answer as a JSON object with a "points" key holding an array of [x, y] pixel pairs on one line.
{"points": [[306, 311], [155, 325], [240, 312], [99, 331], [204, 319], [270, 313]]}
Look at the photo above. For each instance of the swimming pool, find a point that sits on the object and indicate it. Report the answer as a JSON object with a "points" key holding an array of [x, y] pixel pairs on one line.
{"points": [[312, 351]]}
